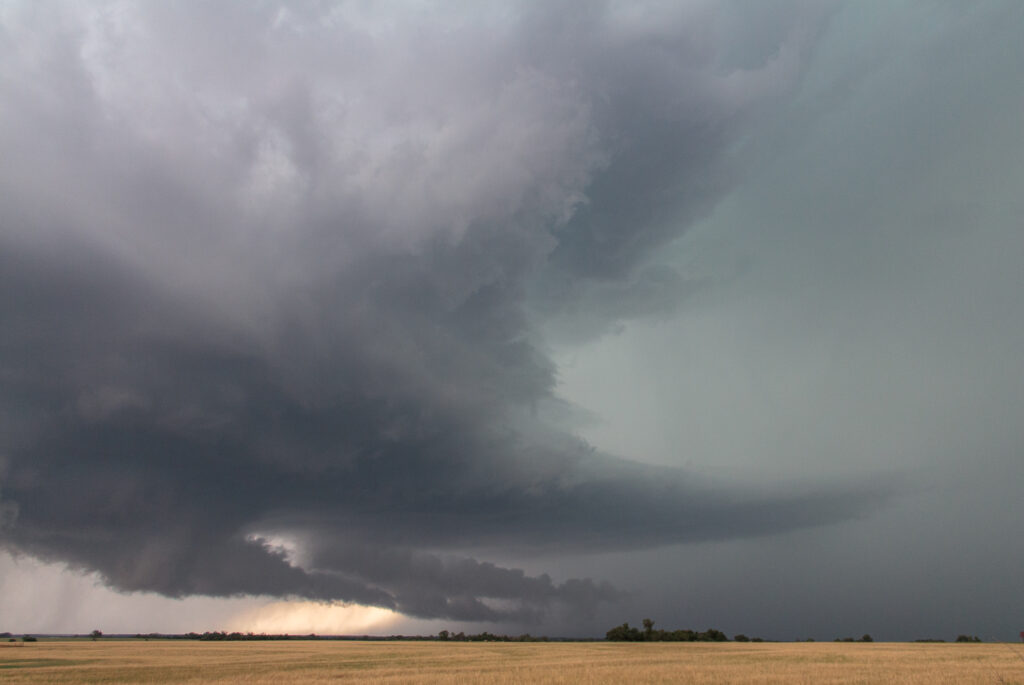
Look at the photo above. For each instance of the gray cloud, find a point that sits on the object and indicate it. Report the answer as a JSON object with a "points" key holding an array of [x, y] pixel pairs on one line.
{"points": [[290, 271], [873, 325]]}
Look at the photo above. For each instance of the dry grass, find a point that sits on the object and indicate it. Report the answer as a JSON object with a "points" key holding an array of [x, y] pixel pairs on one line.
{"points": [[281, 663]]}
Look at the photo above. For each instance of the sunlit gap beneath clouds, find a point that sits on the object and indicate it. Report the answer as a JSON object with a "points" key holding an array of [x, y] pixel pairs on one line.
{"points": [[38, 597], [304, 617]]}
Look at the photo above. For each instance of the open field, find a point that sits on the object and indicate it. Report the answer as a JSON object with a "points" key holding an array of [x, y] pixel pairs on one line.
{"points": [[83, 661]]}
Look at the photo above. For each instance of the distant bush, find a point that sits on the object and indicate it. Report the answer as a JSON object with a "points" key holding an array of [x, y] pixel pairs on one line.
{"points": [[625, 633], [28, 638], [968, 638], [221, 636], [741, 638], [866, 638]]}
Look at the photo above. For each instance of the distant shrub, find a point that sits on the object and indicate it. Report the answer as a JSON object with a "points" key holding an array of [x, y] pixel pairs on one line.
{"points": [[866, 638], [625, 633], [28, 638], [968, 638], [741, 638]]}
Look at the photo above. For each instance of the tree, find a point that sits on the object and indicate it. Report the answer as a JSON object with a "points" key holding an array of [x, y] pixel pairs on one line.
{"points": [[624, 633], [712, 635], [96, 634], [648, 628], [866, 638]]}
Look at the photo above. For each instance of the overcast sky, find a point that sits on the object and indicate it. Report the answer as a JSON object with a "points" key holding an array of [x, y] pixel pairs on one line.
{"points": [[393, 317]]}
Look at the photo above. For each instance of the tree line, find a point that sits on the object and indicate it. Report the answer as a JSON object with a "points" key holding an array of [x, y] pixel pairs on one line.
{"points": [[445, 636], [625, 633]]}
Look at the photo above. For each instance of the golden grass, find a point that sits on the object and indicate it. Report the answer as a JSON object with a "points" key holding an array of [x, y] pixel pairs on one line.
{"points": [[281, 663]]}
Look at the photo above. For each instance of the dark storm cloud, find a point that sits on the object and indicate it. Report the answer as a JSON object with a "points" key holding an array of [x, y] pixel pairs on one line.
{"points": [[283, 272], [431, 585]]}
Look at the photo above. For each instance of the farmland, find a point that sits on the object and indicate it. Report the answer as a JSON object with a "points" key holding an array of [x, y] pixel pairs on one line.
{"points": [[176, 661]]}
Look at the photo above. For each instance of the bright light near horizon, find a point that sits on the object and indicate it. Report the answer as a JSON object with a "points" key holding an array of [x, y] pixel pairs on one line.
{"points": [[41, 597], [304, 617]]}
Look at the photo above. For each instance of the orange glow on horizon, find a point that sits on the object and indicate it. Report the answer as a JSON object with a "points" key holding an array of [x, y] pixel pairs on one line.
{"points": [[304, 617]]}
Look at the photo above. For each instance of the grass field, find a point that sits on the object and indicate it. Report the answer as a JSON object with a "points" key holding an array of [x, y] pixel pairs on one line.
{"points": [[83, 661]]}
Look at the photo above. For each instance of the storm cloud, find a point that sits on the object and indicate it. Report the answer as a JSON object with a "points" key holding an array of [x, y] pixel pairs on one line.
{"points": [[287, 270], [284, 290]]}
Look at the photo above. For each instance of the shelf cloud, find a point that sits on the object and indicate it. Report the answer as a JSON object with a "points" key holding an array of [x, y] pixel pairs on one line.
{"points": [[307, 273]]}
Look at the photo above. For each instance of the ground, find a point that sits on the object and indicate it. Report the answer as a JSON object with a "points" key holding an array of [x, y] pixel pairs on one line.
{"points": [[280, 663]]}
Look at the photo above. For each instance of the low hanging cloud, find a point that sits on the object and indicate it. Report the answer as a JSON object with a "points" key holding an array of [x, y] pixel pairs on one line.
{"points": [[289, 271]]}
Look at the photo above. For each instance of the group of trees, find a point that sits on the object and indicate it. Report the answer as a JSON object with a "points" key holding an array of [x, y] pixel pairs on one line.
{"points": [[625, 633], [445, 636], [222, 636]]}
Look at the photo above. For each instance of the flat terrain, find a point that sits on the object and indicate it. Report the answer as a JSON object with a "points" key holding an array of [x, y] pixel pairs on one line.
{"points": [[84, 661]]}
